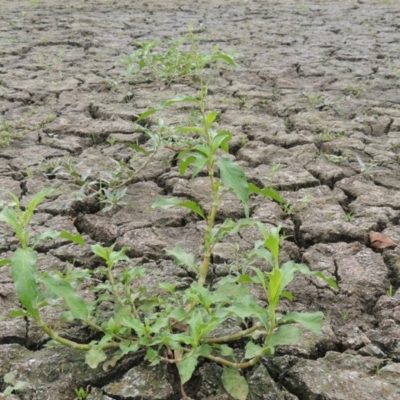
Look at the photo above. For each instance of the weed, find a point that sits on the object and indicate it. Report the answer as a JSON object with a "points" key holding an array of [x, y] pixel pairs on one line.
{"points": [[81, 394], [345, 315], [110, 189], [288, 209], [170, 64], [175, 326], [336, 159], [389, 292], [327, 136], [50, 168], [355, 90], [111, 141], [317, 99], [349, 216], [13, 130], [366, 167], [13, 384]]}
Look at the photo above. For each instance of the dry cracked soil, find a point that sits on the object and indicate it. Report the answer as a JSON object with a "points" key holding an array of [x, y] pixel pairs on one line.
{"points": [[314, 110]]}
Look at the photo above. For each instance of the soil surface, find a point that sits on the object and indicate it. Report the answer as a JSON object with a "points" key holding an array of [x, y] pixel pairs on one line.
{"points": [[314, 110]]}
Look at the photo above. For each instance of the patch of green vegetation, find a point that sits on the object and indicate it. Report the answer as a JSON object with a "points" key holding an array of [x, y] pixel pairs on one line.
{"points": [[10, 130], [327, 136], [181, 322], [151, 61], [13, 384]]}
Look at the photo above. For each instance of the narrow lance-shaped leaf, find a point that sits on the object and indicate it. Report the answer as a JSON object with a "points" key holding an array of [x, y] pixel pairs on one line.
{"points": [[165, 104], [72, 238], [35, 202], [23, 270], [267, 192], [175, 201]]}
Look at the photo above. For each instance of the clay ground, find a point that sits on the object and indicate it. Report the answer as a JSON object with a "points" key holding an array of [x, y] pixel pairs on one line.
{"points": [[314, 110]]}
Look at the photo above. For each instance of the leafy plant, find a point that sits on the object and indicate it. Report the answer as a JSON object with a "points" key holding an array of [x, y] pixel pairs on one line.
{"points": [[81, 394], [178, 327], [165, 65], [13, 384], [110, 188]]}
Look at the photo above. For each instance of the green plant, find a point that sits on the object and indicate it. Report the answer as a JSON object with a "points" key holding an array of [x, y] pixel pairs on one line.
{"points": [[345, 315], [13, 384], [349, 216], [317, 99], [13, 130], [336, 159], [389, 292], [366, 167], [110, 189], [179, 327], [166, 65], [327, 136], [356, 90], [81, 394]]}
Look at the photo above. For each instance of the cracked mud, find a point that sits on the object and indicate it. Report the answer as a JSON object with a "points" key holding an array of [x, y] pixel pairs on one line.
{"points": [[314, 110]]}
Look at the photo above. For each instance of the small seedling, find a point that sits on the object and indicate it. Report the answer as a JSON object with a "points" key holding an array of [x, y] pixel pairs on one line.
{"points": [[349, 216], [81, 394], [356, 90], [317, 99], [13, 384], [389, 292], [366, 167], [327, 136], [336, 159]]}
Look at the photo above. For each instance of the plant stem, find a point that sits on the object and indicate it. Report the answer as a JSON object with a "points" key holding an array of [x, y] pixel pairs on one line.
{"points": [[233, 336]]}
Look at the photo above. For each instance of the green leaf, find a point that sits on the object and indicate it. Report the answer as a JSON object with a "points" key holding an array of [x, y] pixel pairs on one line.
{"points": [[226, 351], [185, 163], [101, 251], [234, 178], [199, 164], [5, 261], [186, 368], [274, 286], [235, 384], [252, 350], [210, 118], [49, 234], [175, 201], [167, 103], [267, 192], [72, 238], [19, 385], [224, 57], [23, 270], [182, 258], [18, 313], [35, 202], [134, 324], [311, 321], [204, 350], [221, 140], [63, 289], [179, 314], [9, 216], [94, 357], [285, 334]]}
